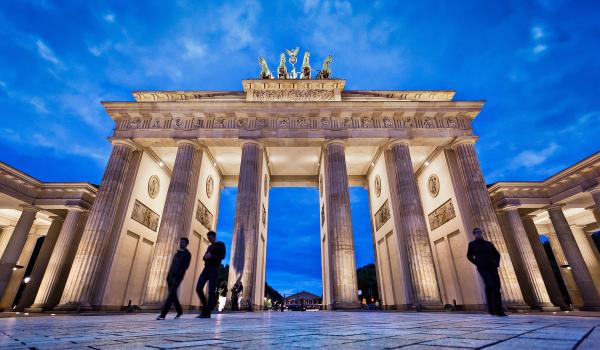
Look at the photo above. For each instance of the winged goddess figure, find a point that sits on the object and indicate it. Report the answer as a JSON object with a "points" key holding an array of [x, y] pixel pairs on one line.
{"points": [[293, 53]]}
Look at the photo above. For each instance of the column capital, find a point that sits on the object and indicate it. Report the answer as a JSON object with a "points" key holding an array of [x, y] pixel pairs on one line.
{"points": [[595, 189], [335, 141], [75, 207], [554, 206], [393, 143], [194, 143], [528, 217], [56, 218], [463, 140], [126, 142], [253, 142], [29, 208], [509, 207]]}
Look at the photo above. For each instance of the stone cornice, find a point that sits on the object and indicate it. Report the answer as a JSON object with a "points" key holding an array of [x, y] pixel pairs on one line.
{"points": [[580, 177], [25, 188]]}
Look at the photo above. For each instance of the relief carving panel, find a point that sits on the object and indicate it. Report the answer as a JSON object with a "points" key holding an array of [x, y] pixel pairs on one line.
{"points": [[204, 216], [145, 216], [441, 215], [382, 215]]}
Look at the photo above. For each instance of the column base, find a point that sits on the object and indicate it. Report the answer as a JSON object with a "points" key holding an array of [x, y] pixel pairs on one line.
{"points": [[346, 305], [74, 307], [518, 307], [151, 306], [550, 308], [590, 308]]}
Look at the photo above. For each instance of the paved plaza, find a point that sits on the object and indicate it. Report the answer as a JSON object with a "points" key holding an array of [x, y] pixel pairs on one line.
{"points": [[296, 330]]}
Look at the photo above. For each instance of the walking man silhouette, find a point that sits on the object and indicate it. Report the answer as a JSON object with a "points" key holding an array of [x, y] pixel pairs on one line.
{"points": [[484, 255], [179, 264], [212, 261]]}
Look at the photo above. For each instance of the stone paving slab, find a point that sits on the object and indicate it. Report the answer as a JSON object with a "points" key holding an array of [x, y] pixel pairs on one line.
{"points": [[302, 330]]}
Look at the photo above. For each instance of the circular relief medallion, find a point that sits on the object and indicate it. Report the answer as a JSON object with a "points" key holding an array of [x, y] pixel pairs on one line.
{"points": [[153, 186], [266, 185], [433, 184], [210, 185], [377, 186]]}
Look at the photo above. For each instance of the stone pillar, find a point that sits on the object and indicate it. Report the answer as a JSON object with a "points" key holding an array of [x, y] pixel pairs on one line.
{"points": [[86, 265], [247, 220], [595, 192], [339, 227], [40, 263], [15, 245], [484, 217], [412, 220], [533, 276], [5, 233], [17, 277], [543, 263], [176, 220], [565, 272], [589, 253], [583, 278], [61, 259]]}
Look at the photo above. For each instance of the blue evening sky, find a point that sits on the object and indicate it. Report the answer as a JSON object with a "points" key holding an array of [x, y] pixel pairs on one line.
{"points": [[534, 62]]}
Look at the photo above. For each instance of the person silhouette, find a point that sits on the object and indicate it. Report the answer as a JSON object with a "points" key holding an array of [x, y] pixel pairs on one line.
{"points": [[179, 264], [212, 261], [485, 256]]}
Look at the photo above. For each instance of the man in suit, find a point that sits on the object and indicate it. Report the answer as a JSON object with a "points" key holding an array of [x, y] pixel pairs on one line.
{"points": [[212, 262], [179, 264], [484, 255]]}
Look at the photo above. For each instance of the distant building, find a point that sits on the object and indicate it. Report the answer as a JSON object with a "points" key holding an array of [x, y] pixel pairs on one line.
{"points": [[309, 300]]}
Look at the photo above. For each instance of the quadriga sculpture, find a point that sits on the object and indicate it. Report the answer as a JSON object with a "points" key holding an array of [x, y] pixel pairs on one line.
{"points": [[282, 72], [265, 73], [305, 66], [325, 72]]}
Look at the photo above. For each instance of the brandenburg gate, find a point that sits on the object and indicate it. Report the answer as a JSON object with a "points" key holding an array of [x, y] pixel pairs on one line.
{"points": [[174, 150]]}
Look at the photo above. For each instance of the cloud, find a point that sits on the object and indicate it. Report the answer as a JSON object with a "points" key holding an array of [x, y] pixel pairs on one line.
{"points": [[46, 53], [39, 105], [98, 50], [193, 49], [537, 32], [109, 17], [531, 158], [539, 48]]}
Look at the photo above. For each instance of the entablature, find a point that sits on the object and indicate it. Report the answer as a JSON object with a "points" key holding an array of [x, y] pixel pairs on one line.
{"points": [[26, 189]]}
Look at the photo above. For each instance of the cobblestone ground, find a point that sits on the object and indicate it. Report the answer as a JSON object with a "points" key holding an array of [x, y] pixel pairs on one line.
{"points": [[302, 330]]}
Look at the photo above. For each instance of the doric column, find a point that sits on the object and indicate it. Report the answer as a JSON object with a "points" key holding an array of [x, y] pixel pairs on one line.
{"points": [[176, 219], [533, 276], [583, 278], [565, 271], [588, 251], [5, 233], [412, 220], [247, 220], [595, 192], [339, 227], [15, 245], [61, 259], [86, 265], [40, 263], [543, 263], [484, 217], [17, 277]]}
